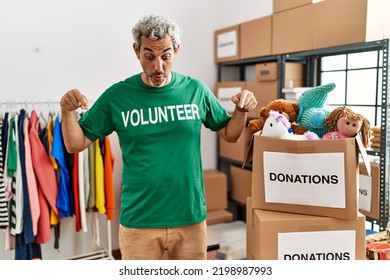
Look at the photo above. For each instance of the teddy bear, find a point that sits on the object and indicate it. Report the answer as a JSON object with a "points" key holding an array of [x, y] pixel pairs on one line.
{"points": [[289, 109]]}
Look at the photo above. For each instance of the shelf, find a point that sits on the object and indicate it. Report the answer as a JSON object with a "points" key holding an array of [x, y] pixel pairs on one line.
{"points": [[312, 61]]}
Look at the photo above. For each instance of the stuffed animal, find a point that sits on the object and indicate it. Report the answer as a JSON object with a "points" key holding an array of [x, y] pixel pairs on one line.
{"points": [[345, 123], [278, 126], [312, 113], [289, 109]]}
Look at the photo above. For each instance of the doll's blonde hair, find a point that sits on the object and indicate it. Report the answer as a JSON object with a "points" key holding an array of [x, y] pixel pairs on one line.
{"points": [[346, 112]]}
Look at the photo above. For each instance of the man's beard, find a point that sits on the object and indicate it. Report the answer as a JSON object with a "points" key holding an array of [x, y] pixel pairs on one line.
{"points": [[151, 82]]}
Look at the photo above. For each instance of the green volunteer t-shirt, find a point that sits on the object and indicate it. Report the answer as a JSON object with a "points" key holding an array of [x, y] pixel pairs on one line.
{"points": [[159, 131]]}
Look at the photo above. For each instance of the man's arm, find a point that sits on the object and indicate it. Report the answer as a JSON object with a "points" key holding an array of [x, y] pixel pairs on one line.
{"points": [[245, 101], [74, 138]]}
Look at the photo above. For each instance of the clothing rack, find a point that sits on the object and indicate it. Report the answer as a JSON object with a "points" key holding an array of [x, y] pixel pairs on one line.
{"points": [[100, 254]]}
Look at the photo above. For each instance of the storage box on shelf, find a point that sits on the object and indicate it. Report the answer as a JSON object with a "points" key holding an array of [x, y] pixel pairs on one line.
{"points": [[235, 151], [250, 31], [215, 183], [225, 90], [369, 191], [342, 22], [227, 44], [292, 30], [283, 5], [240, 184]]}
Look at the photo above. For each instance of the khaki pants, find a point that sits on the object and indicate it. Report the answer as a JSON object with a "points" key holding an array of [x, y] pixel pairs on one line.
{"points": [[179, 243]]}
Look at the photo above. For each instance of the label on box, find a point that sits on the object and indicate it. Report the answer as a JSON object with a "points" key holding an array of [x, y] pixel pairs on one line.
{"points": [[365, 192], [317, 245], [225, 97], [227, 44], [316, 179]]}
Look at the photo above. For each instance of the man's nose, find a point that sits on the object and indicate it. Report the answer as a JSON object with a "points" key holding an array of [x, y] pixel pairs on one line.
{"points": [[158, 65]]}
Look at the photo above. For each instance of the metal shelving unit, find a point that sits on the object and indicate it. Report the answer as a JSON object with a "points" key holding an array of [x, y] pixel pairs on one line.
{"points": [[312, 61]]}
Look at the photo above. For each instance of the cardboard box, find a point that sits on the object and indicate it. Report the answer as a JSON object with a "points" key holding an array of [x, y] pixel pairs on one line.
{"points": [[369, 191], [293, 73], [227, 44], [265, 92], [224, 92], [235, 151], [286, 236], [218, 217], [341, 22], [240, 184], [255, 37], [215, 184], [283, 5], [313, 177], [292, 30]]}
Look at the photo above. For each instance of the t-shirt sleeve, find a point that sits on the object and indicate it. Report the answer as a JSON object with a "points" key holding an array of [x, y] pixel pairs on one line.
{"points": [[216, 117], [97, 121]]}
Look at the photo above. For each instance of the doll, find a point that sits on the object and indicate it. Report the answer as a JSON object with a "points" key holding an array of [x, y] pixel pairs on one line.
{"points": [[344, 123]]}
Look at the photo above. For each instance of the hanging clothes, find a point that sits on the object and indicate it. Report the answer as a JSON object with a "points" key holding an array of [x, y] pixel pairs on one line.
{"points": [[99, 179], [11, 170], [75, 184], [3, 199], [65, 202], [31, 181], [108, 178], [80, 165], [46, 180], [26, 248]]}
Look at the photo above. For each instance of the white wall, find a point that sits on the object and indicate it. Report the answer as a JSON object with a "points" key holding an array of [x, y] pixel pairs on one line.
{"points": [[50, 46]]}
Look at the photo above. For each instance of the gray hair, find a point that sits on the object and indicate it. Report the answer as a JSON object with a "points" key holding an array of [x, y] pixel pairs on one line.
{"points": [[156, 27]]}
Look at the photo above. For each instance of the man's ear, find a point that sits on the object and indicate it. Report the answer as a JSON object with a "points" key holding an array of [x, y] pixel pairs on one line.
{"points": [[136, 50], [177, 49]]}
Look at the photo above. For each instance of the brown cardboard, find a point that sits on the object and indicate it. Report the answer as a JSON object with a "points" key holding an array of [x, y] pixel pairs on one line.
{"points": [[235, 151], [292, 30], [282, 5], [240, 183], [225, 90], [265, 92], [227, 44], [269, 226], [215, 184], [267, 71], [343, 188], [218, 217], [255, 37], [293, 73], [363, 190], [344, 22], [249, 229]]}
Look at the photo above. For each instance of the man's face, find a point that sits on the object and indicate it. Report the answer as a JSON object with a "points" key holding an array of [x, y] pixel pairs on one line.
{"points": [[156, 58]]}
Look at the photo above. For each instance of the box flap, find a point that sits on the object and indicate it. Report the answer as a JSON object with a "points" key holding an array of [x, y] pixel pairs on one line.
{"points": [[249, 153], [363, 153]]}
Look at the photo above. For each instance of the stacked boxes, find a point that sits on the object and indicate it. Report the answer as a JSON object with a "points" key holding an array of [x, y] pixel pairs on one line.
{"points": [[215, 183], [304, 202], [302, 25]]}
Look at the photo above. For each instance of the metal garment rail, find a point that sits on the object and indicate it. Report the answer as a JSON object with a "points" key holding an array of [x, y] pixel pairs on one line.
{"points": [[100, 254]]}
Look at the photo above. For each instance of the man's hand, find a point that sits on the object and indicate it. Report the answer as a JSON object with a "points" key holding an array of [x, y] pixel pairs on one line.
{"points": [[245, 101], [72, 100]]}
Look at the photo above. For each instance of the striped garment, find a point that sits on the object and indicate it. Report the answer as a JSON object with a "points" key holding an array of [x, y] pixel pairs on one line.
{"points": [[3, 200]]}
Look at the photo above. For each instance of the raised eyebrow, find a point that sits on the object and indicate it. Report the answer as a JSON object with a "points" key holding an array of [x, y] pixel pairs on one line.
{"points": [[150, 50]]}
